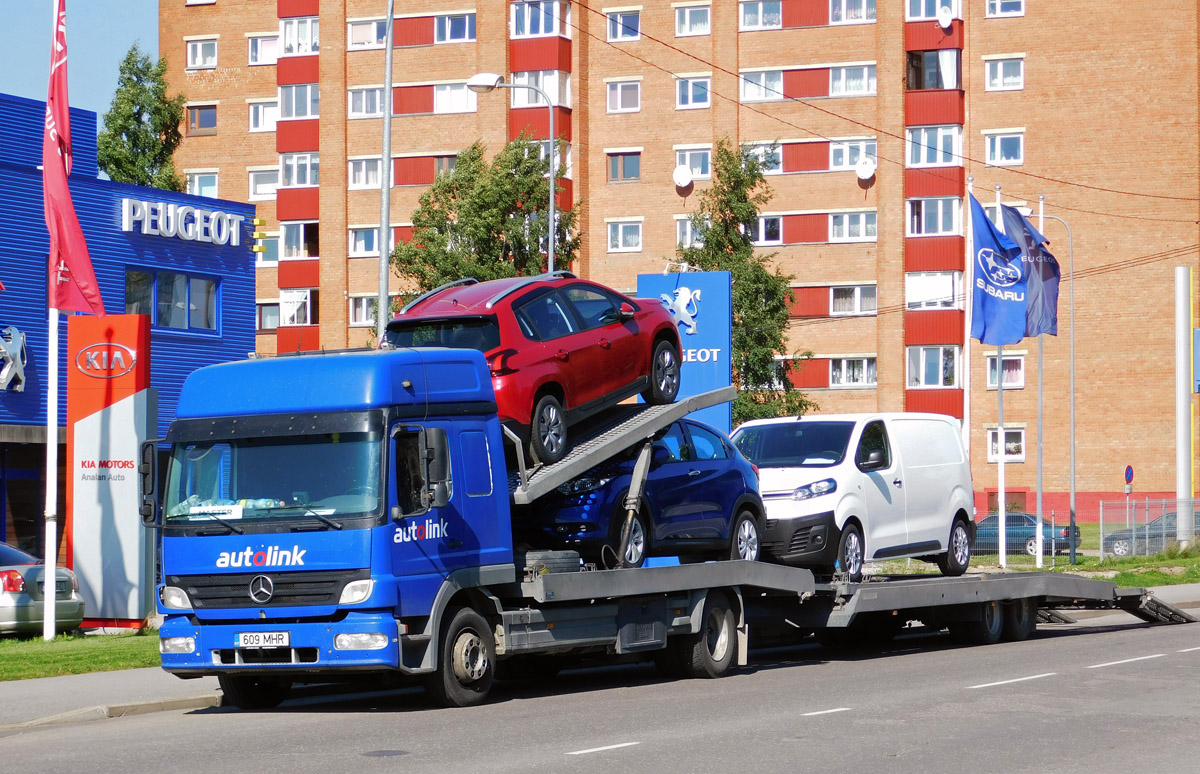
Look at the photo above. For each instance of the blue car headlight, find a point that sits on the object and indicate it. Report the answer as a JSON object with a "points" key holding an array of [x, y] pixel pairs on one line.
{"points": [[816, 489], [584, 484]]}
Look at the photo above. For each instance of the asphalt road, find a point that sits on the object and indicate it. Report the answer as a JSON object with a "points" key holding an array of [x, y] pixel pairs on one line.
{"points": [[1093, 697]]}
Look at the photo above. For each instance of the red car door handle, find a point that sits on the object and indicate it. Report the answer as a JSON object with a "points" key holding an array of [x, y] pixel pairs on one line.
{"points": [[604, 343], [562, 354]]}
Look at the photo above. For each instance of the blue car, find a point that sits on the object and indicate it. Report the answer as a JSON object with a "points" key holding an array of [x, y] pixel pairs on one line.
{"points": [[1020, 535], [701, 502]]}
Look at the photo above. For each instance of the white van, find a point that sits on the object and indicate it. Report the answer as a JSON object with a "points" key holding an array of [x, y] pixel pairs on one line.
{"points": [[842, 489]]}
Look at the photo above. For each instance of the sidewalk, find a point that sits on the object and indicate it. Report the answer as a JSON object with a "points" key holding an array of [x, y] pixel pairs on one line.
{"points": [[73, 698]]}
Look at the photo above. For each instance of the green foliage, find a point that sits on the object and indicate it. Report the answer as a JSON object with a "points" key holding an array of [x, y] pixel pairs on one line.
{"points": [[761, 294], [485, 220], [141, 128]]}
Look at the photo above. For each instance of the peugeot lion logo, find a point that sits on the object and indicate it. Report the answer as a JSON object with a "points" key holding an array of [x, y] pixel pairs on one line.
{"points": [[997, 268], [12, 359], [684, 307], [261, 589]]}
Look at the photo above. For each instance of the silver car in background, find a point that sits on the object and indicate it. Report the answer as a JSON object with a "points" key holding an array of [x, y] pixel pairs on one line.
{"points": [[21, 594]]}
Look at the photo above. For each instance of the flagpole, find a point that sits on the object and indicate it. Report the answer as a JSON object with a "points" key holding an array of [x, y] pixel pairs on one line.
{"points": [[968, 287], [49, 580], [1001, 447], [1040, 540]]}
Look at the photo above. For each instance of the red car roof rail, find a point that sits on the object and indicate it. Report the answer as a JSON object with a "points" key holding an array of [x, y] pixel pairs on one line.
{"points": [[524, 281], [438, 289]]}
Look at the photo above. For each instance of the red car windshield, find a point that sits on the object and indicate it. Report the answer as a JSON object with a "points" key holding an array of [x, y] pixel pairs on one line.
{"points": [[481, 333]]}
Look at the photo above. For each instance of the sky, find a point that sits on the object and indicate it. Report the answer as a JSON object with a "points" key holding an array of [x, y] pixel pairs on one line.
{"points": [[99, 34]]}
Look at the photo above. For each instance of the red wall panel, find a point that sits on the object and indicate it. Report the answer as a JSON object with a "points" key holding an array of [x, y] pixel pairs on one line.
{"points": [[932, 401], [811, 373], [935, 181], [933, 326], [291, 8], [943, 253], [414, 170], [552, 53], [298, 203], [805, 13], [928, 35], [416, 31], [806, 83], [402, 234], [565, 198], [297, 69], [536, 122], [805, 156], [927, 107], [810, 302], [298, 338], [299, 274], [798, 229], [412, 100], [294, 136]]}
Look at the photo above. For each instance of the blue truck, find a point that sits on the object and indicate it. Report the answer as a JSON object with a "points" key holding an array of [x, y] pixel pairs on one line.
{"points": [[339, 516]]}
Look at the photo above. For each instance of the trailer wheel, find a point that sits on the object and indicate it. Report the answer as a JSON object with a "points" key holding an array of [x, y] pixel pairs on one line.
{"points": [[850, 552], [254, 692], [710, 651], [958, 551], [1020, 619], [743, 538], [985, 631], [548, 431], [466, 663]]}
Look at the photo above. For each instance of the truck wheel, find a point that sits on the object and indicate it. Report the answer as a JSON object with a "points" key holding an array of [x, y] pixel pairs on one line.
{"points": [[850, 552], [664, 374], [985, 631], [1020, 619], [548, 431], [710, 651], [958, 553], [467, 660], [254, 692], [743, 540]]}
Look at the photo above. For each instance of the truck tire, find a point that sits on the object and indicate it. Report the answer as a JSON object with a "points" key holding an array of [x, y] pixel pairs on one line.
{"points": [[254, 692], [467, 660], [958, 551], [1020, 619], [547, 431], [985, 631], [851, 552], [664, 374], [744, 542], [709, 652]]}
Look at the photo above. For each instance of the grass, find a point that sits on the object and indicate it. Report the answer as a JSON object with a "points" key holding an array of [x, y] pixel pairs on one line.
{"points": [[22, 659]]}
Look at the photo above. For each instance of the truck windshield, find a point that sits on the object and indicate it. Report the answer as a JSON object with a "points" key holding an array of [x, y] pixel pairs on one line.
{"points": [[307, 477], [481, 333], [800, 444]]}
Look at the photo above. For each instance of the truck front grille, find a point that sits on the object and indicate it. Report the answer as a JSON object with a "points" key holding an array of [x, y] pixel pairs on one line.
{"points": [[289, 589]]}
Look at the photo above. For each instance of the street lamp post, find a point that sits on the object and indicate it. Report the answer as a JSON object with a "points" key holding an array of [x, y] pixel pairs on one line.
{"points": [[1071, 273], [482, 83]]}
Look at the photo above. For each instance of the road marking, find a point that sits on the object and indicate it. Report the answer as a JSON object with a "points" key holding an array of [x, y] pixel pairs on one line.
{"points": [[1187, 650], [602, 749], [825, 712], [1126, 661], [1014, 680]]}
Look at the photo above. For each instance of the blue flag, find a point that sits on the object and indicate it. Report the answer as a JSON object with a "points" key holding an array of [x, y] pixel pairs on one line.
{"points": [[998, 297], [1041, 305]]}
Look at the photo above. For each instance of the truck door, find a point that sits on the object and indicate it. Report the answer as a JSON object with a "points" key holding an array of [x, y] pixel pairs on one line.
{"points": [[882, 490]]}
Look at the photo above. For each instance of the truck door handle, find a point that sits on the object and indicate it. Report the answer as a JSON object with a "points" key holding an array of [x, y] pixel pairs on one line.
{"points": [[605, 343], [562, 354], [898, 482]]}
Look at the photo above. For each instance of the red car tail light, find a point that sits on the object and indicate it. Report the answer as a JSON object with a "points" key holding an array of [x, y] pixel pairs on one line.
{"points": [[1062, 532], [11, 580], [498, 362]]}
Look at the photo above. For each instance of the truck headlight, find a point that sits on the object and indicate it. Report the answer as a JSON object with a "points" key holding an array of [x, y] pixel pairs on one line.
{"points": [[361, 641], [816, 489], [177, 645], [175, 598], [356, 591]]}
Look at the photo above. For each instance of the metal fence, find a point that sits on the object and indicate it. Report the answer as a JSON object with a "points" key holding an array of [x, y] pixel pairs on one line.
{"points": [[1020, 540], [1143, 527]]}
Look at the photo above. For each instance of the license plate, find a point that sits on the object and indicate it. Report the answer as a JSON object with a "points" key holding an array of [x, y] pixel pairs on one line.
{"points": [[263, 640]]}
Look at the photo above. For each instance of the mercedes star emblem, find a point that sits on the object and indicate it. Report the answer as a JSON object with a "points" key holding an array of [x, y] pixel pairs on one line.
{"points": [[261, 589]]}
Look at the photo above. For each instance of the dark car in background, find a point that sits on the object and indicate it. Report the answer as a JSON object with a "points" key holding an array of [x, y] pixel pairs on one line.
{"points": [[22, 594], [1020, 535], [1144, 539], [701, 502]]}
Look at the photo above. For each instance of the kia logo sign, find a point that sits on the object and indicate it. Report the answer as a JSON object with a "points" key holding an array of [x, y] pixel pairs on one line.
{"points": [[106, 361]]}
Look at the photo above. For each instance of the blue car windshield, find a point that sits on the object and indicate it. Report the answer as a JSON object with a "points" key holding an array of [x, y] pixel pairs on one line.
{"points": [[800, 444]]}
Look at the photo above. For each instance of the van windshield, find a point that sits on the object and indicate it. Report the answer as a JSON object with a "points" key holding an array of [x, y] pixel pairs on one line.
{"points": [[481, 333], [799, 444]]}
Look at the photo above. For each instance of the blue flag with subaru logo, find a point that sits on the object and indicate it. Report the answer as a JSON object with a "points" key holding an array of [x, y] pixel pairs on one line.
{"points": [[998, 297], [1041, 302]]}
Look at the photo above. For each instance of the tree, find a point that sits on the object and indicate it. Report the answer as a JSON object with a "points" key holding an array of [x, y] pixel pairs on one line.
{"points": [[141, 129], [486, 220], [727, 213]]}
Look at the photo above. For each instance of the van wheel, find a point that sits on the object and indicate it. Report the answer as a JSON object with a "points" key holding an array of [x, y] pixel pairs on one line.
{"points": [[548, 431], [958, 555], [850, 552], [466, 660], [743, 538], [254, 692]]}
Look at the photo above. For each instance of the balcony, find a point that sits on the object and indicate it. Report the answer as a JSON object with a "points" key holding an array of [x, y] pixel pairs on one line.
{"points": [[930, 107], [924, 327], [928, 35], [307, 338], [935, 401]]}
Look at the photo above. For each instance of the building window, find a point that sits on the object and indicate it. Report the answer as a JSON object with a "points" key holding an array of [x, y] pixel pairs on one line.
{"points": [[300, 101], [687, 235], [845, 154], [172, 299], [852, 300], [266, 317], [300, 36], [301, 240], [692, 20], [364, 242], [764, 85], [202, 184], [851, 11], [852, 372], [366, 34], [453, 98], [540, 19], [298, 307], [1014, 444], [201, 119], [692, 93], [934, 217], [932, 367], [624, 25], [852, 227], [625, 237], [625, 97], [761, 15], [365, 103], [1005, 74], [935, 146], [928, 9], [362, 311], [770, 159], [364, 173], [555, 83], [624, 166], [263, 183], [1000, 8], [202, 54], [698, 160], [269, 256], [856, 81], [263, 116], [933, 290], [455, 28], [444, 165], [766, 230], [299, 169], [934, 69], [1006, 149], [264, 49], [1014, 372]]}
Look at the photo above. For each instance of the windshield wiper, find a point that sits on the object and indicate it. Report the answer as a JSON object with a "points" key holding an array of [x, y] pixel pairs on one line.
{"points": [[232, 527], [308, 511]]}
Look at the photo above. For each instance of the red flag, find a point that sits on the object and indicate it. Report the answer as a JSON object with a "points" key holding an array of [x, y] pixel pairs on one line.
{"points": [[73, 285]]}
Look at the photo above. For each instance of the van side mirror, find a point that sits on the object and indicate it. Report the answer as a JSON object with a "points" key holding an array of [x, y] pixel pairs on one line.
{"points": [[148, 482], [875, 460]]}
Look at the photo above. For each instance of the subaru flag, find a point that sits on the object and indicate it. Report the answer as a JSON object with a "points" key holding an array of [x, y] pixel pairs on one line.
{"points": [[1041, 303], [998, 298]]}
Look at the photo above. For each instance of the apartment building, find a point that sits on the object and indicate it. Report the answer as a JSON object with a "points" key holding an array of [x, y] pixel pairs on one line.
{"points": [[1075, 102]]}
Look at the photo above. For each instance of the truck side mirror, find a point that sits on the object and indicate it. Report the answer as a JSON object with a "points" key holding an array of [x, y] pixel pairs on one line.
{"points": [[148, 482], [437, 445]]}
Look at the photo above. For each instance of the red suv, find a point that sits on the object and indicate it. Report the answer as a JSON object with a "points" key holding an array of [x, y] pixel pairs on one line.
{"points": [[559, 348]]}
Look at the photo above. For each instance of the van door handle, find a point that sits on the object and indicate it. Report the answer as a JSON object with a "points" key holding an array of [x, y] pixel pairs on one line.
{"points": [[898, 482]]}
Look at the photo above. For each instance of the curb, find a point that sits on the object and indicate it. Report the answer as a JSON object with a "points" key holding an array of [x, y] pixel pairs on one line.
{"points": [[104, 711]]}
